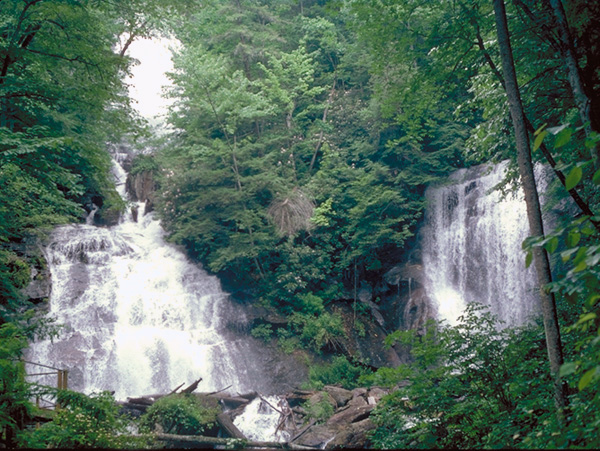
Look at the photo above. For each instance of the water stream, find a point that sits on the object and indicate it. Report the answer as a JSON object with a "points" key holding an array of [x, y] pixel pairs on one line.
{"points": [[472, 247], [139, 318]]}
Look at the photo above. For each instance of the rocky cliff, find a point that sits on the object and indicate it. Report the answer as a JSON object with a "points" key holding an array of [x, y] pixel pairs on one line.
{"points": [[140, 187]]}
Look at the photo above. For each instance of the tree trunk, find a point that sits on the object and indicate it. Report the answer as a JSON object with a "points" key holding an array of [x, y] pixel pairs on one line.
{"points": [[583, 206], [534, 216]]}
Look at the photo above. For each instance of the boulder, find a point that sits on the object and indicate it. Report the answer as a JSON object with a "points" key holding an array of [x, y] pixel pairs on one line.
{"points": [[359, 401], [141, 186], [320, 397], [361, 391], [354, 435], [40, 286], [377, 393], [317, 436], [404, 272], [341, 395], [350, 414]]}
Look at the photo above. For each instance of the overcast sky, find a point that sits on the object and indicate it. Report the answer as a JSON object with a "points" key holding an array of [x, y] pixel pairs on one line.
{"points": [[148, 77]]}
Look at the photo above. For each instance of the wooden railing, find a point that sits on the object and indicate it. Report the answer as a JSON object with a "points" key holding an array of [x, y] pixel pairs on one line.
{"points": [[62, 382]]}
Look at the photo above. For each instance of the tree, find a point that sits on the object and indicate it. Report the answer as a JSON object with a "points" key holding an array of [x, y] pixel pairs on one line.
{"points": [[534, 216], [568, 54]]}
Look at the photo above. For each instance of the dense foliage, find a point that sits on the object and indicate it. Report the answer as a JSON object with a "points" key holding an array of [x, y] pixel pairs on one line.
{"points": [[84, 422], [180, 414], [304, 134], [62, 101], [288, 169]]}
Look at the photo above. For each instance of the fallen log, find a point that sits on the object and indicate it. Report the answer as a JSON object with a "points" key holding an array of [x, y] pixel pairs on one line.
{"points": [[175, 389], [192, 387], [144, 400], [218, 391], [233, 402], [227, 425], [303, 430], [249, 396], [199, 440]]}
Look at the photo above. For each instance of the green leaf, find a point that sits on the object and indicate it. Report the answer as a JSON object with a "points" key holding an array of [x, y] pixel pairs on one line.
{"points": [[573, 238], [566, 255], [551, 245], [528, 259], [596, 177], [582, 254], [587, 378], [591, 301], [587, 230], [573, 178], [587, 317], [563, 137], [567, 368], [538, 140], [580, 266], [539, 130]]}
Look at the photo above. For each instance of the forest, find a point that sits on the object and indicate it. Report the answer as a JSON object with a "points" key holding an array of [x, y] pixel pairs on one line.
{"points": [[301, 138]]}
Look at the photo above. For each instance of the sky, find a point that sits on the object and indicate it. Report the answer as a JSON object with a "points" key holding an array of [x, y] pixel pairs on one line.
{"points": [[148, 77]]}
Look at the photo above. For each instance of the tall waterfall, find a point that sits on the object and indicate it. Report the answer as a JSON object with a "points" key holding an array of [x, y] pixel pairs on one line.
{"points": [[138, 317], [472, 248]]}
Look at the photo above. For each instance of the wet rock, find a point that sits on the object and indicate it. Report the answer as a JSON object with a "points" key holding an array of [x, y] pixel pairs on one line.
{"points": [[355, 435], [107, 217], [365, 293], [361, 391], [377, 393], [320, 397], [40, 286], [318, 436], [341, 395], [403, 273], [140, 186], [358, 401], [350, 414]]}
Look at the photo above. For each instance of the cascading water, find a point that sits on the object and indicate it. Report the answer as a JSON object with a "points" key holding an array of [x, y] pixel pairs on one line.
{"points": [[138, 317], [472, 247], [261, 420]]}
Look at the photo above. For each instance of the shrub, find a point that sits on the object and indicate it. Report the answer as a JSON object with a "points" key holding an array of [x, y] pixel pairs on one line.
{"points": [[180, 414], [339, 372], [84, 422], [143, 163], [262, 332], [310, 304], [320, 331], [320, 409]]}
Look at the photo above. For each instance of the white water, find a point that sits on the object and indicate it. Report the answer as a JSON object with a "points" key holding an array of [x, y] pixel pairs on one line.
{"points": [[139, 317], [472, 248], [261, 419]]}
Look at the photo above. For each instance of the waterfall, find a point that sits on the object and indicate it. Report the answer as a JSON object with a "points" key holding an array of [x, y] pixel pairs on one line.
{"points": [[472, 247], [139, 318], [260, 420]]}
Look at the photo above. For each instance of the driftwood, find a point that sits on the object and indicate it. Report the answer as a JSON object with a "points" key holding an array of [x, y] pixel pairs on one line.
{"points": [[198, 440], [303, 430], [218, 391], [225, 422], [144, 400], [192, 387], [233, 402], [175, 389], [249, 396]]}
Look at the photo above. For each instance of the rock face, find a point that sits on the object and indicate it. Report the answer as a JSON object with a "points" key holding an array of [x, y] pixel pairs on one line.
{"points": [[40, 285], [141, 189]]}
